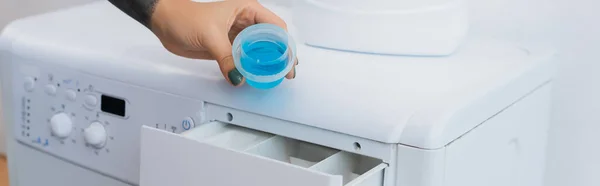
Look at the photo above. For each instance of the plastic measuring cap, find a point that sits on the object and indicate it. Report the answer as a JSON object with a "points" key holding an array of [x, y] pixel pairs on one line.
{"points": [[264, 54]]}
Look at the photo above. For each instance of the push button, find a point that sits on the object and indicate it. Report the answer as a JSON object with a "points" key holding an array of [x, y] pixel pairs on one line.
{"points": [[187, 123], [71, 95], [29, 84], [91, 100], [50, 90]]}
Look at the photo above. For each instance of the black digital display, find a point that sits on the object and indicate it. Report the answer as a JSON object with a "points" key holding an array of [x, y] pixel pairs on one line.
{"points": [[112, 105]]}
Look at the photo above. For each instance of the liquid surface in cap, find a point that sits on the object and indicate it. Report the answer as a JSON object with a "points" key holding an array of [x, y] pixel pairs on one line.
{"points": [[264, 58]]}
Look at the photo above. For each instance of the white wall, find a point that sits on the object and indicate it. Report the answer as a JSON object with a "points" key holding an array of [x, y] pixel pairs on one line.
{"points": [[574, 27], [575, 151], [13, 9]]}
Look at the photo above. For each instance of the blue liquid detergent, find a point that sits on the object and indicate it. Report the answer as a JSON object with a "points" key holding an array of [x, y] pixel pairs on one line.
{"points": [[264, 58], [264, 54]]}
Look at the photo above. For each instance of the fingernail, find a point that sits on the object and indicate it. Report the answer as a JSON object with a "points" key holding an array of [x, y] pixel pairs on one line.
{"points": [[294, 74], [235, 77]]}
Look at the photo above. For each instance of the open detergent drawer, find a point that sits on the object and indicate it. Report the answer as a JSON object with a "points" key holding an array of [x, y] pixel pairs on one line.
{"points": [[220, 154]]}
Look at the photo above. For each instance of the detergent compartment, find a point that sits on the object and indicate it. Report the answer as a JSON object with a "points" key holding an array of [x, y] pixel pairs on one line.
{"points": [[264, 54]]}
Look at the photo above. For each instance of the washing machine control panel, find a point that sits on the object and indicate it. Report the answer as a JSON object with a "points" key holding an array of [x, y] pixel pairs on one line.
{"points": [[92, 121]]}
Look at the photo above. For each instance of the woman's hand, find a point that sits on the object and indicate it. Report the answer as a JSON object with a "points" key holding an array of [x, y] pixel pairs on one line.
{"points": [[201, 30], [207, 30]]}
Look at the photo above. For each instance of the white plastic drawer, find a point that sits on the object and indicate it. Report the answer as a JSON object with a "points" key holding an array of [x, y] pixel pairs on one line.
{"points": [[218, 154]]}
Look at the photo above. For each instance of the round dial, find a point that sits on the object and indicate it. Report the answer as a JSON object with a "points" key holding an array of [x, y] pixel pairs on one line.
{"points": [[95, 135], [61, 125]]}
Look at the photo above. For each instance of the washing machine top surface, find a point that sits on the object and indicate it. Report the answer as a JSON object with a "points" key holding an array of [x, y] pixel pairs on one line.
{"points": [[420, 101]]}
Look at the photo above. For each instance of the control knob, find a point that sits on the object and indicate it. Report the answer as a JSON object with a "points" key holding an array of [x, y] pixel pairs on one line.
{"points": [[95, 135], [61, 125]]}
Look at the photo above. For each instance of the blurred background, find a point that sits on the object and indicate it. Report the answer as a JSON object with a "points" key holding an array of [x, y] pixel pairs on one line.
{"points": [[571, 25]]}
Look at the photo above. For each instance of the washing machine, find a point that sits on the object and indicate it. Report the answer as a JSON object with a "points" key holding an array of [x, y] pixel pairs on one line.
{"points": [[92, 98]]}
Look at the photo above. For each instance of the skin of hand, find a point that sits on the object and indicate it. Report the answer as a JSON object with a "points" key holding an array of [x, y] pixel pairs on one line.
{"points": [[206, 30]]}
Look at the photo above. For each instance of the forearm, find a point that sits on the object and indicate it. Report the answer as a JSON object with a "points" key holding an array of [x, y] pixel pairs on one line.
{"points": [[140, 10]]}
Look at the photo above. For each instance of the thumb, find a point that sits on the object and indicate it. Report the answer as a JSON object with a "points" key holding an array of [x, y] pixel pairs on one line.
{"points": [[220, 48]]}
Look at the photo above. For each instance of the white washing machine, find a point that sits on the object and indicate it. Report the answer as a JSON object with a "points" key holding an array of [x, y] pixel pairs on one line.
{"points": [[92, 98]]}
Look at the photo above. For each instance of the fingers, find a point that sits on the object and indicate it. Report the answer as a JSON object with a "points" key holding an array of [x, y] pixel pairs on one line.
{"points": [[230, 72], [218, 41], [219, 47], [264, 15], [292, 73]]}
